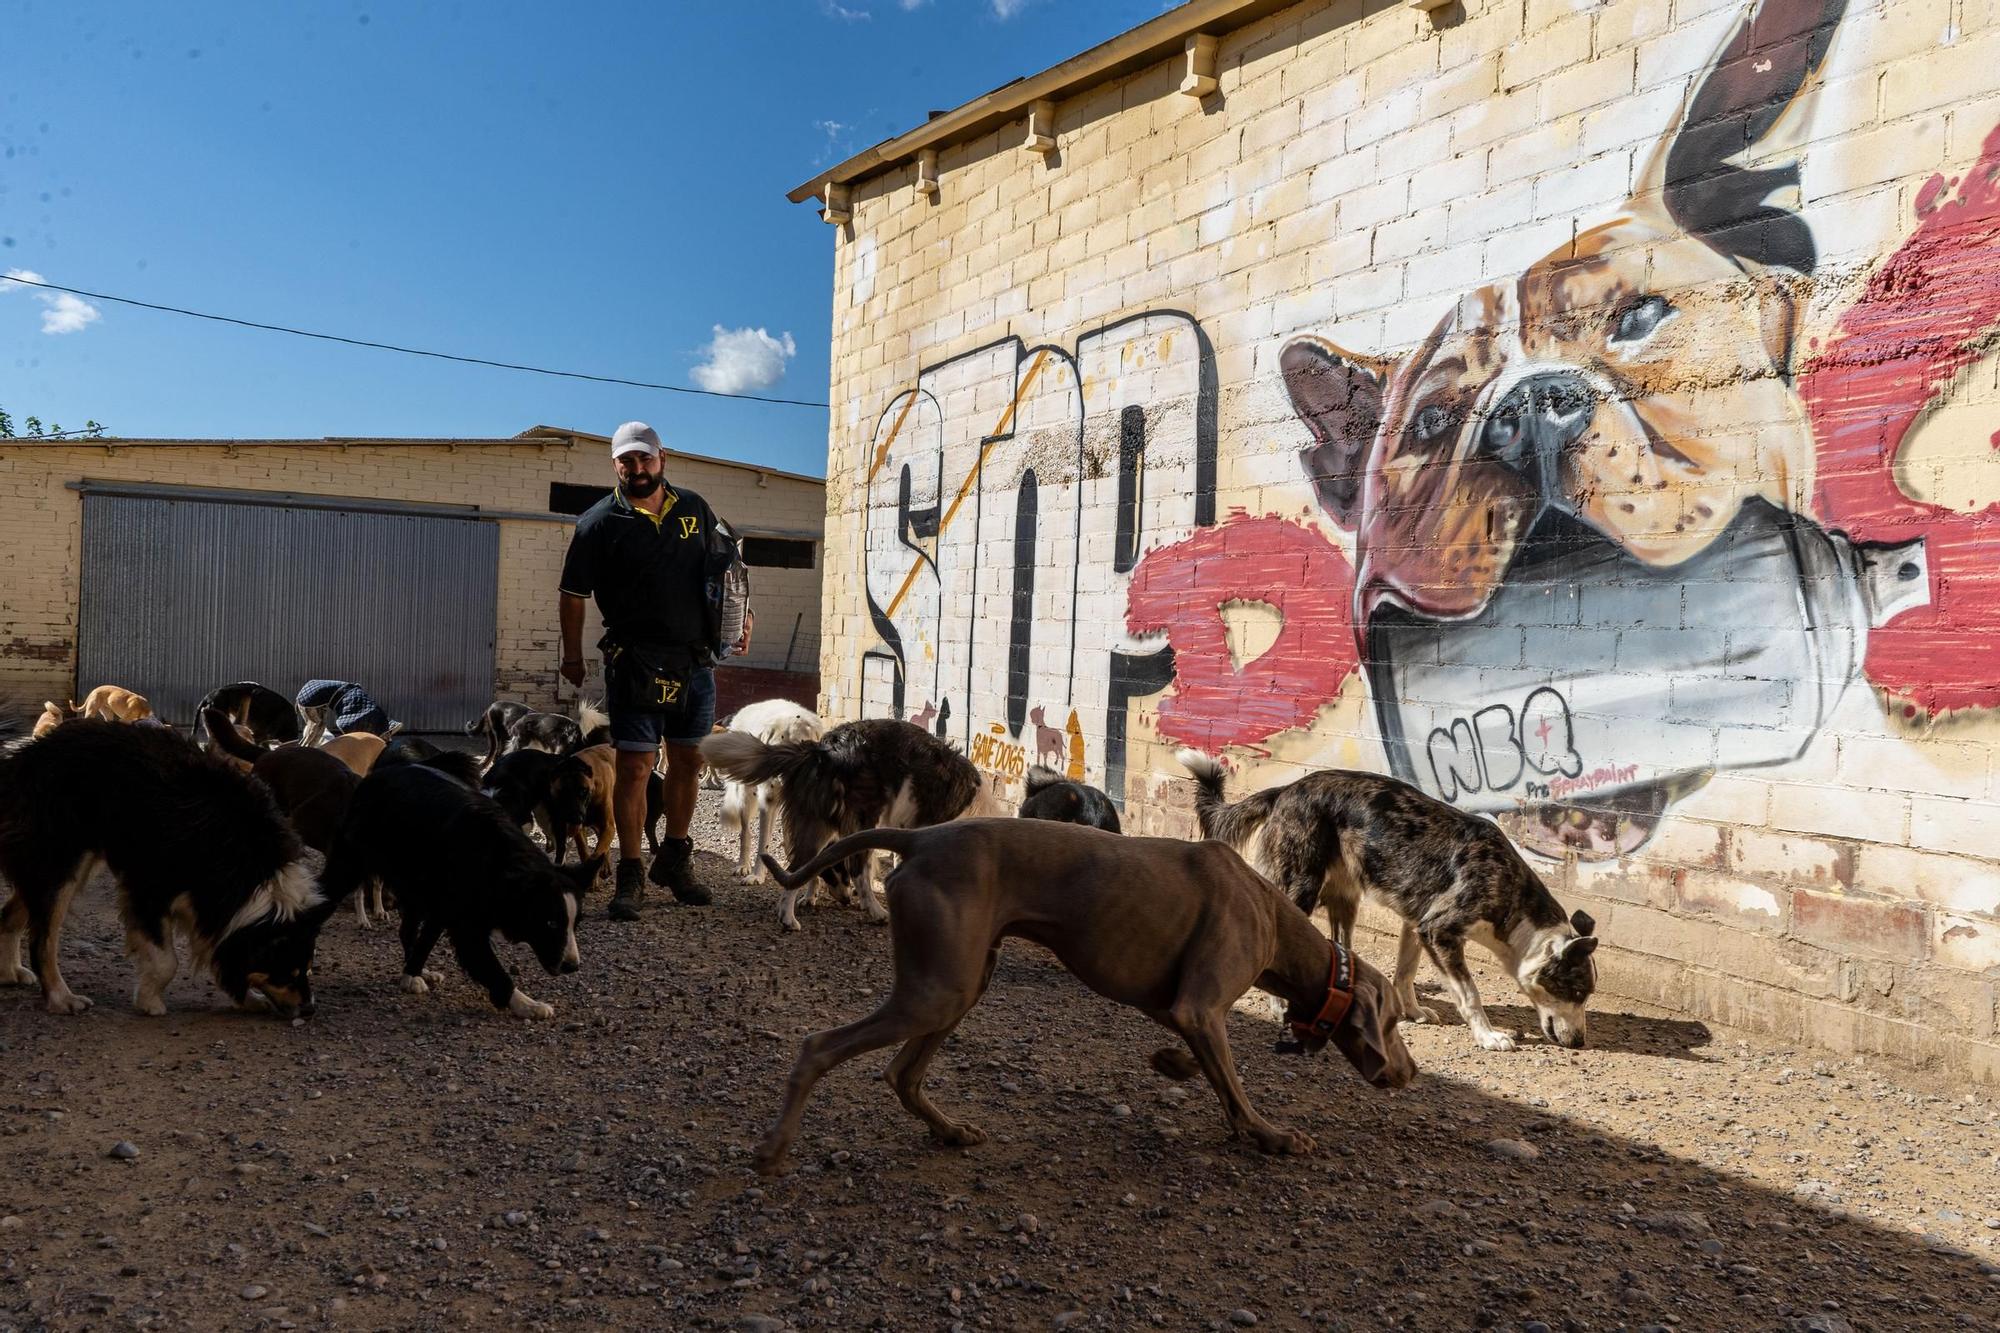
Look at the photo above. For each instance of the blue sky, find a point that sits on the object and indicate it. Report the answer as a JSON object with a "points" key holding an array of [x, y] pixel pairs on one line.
{"points": [[585, 186]]}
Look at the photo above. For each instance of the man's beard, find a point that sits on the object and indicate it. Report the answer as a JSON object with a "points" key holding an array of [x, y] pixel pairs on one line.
{"points": [[641, 485]]}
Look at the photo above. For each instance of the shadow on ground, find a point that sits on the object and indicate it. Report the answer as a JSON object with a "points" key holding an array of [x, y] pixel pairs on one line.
{"points": [[429, 1163]]}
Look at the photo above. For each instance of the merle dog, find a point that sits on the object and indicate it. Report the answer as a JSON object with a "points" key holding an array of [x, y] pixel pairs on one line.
{"points": [[1453, 877]]}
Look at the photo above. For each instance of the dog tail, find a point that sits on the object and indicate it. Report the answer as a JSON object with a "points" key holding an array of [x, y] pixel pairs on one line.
{"points": [[224, 736], [589, 717], [895, 840], [1040, 776], [743, 758], [1220, 820]]}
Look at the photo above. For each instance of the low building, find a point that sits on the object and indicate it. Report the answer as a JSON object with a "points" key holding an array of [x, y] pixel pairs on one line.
{"points": [[1582, 411], [425, 569]]}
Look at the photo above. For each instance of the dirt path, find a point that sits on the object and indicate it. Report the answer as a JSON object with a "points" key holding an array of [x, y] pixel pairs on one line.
{"points": [[418, 1163]]}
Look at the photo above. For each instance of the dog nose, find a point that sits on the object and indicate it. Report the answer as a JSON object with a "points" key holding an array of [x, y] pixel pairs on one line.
{"points": [[1539, 418]]}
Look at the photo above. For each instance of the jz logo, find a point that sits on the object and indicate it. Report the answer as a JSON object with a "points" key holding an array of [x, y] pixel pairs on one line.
{"points": [[689, 526], [668, 690]]}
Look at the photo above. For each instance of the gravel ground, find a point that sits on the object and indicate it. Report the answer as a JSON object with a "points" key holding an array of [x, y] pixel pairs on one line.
{"points": [[425, 1162]]}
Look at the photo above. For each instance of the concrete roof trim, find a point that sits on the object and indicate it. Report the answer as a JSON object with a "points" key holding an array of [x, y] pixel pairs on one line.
{"points": [[1130, 51], [537, 437], [564, 433]]}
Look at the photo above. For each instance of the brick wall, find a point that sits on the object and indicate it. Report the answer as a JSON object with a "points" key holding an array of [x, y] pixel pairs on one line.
{"points": [[41, 520], [1445, 396]]}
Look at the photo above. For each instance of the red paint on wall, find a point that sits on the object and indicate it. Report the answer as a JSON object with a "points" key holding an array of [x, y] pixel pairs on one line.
{"points": [[1927, 314], [1182, 589]]}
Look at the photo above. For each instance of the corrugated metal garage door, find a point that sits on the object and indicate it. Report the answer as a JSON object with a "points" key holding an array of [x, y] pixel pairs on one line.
{"points": [[181, 595]]}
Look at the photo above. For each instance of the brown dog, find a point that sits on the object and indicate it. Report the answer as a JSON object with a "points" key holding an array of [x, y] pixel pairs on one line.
{"points": [[357, 749], [311, 786], [1177, 930], [580, 798], [53, 716], [113, 703]]}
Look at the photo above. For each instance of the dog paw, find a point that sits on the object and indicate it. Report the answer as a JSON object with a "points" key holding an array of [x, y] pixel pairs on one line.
{"points": [[769, 1159], [521, 1005], [878, 915], [415, 985], [955, 1135], [152, 1006], [1495, 1041], [66, 1002], [1418, 1013], [21, 977], [1285, 1142], [789, 922], [1175, 1063], [434, 977]]}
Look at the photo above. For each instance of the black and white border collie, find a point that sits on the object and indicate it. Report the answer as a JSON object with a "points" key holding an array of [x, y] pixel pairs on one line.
{"points": [[195, 846], [459, 867]]}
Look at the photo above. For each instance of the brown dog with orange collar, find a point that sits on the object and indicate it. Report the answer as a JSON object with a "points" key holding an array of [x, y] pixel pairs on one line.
{"points": [[1177, 930]]}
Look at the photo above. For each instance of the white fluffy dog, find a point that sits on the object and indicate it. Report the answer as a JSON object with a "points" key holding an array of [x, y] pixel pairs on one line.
{"points": [[774, 722]]}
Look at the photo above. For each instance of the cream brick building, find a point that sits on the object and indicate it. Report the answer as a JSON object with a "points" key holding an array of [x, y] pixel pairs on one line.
{"points": [[1580, 408], [527, 490]]}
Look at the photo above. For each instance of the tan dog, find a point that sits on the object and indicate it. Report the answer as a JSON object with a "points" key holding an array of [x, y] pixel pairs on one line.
{"points": [[357, 749], [53, 716], [1176, 930], [114, 703]]}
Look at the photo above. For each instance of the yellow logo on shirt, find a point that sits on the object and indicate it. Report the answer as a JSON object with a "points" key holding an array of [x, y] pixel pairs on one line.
{"points": [[690, 525]]}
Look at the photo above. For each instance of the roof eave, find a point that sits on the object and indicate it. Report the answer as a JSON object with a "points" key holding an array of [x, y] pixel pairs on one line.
{"points": [[1132, 50]]}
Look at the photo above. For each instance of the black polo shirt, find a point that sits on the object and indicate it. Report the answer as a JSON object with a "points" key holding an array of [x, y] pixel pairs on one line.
{"points": [[650, 577]]}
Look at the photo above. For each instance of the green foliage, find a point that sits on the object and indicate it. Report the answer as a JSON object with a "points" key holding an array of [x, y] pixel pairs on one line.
{"points": [[32, 429]]}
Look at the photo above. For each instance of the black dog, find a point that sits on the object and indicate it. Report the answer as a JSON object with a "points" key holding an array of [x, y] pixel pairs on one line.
{"points": [[496, 724], [458, 868], [269, 717], [193, 843], [519, 783], [1055, 797], [416, 750]]}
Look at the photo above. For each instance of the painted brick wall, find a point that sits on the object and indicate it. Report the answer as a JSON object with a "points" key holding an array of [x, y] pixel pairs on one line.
{"points": [[1582, 408], [41, 534]]}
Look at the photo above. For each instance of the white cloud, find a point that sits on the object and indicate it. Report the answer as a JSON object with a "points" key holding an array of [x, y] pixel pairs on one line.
{"points": [[833, 9], [1006, 9], [61, 312], [744, 360], [837, 136], [913, 4]]}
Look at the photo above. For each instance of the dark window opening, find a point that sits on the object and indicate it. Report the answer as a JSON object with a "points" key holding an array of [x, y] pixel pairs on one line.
{"points": [[565, 498], [777, 553]]}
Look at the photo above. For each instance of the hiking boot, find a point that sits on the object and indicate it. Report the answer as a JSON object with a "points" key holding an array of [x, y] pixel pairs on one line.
{"points": [[631, 888], [673, 870]]}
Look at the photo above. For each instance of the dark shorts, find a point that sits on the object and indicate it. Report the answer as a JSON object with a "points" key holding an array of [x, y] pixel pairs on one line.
{"points": [[642, 731]]}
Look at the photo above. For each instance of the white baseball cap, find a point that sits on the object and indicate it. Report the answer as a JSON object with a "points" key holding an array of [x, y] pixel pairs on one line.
{"points": [[635, 435]]}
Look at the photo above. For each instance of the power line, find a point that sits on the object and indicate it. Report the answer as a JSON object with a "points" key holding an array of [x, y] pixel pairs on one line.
{"points": [[407, 351], [82, 432]]}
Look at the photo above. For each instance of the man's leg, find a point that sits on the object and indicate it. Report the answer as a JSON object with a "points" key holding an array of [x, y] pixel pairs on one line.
{"points": [[673, 866], [636, 743]]}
